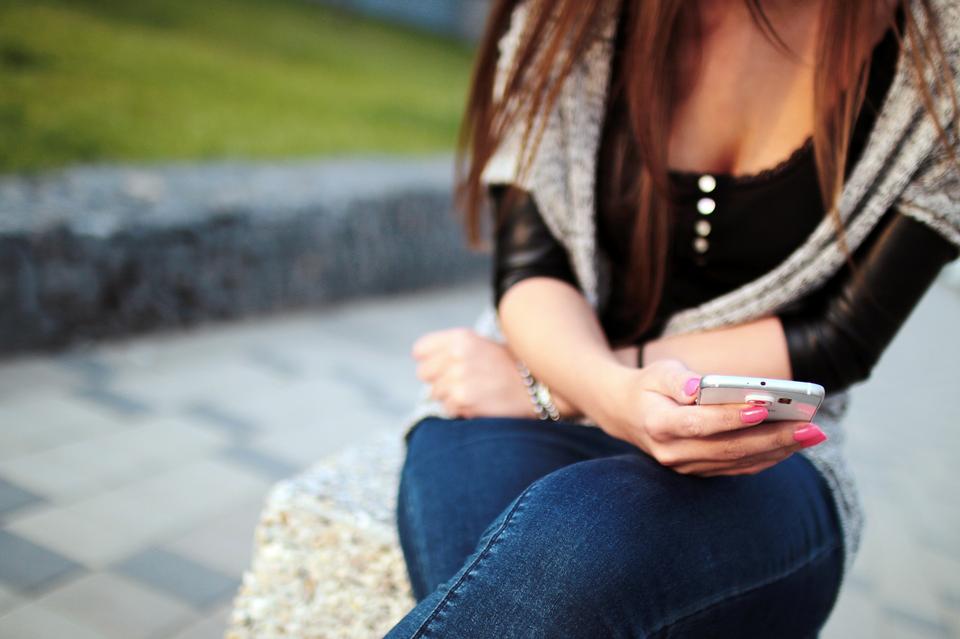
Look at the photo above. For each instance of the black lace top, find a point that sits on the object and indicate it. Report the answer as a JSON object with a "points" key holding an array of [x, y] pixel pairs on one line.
{"points": [[725, 230]]}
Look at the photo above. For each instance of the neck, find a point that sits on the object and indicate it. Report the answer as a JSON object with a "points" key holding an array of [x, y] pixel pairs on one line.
{"points": [[718, 15], [733, 25]]}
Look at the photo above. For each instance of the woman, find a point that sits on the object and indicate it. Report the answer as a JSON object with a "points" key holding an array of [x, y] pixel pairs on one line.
{"points": [[745, 187]]}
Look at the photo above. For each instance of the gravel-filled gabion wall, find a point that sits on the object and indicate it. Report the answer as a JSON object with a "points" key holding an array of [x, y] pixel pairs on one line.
{"points": [[93, 252]]}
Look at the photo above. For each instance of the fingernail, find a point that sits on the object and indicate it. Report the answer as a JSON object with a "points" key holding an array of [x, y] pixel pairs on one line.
{"points": [[690, 388], [753, 415], [809, 435]]}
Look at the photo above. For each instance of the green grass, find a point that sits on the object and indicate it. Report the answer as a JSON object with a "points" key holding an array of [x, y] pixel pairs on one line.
{"points": [[152, 80]]}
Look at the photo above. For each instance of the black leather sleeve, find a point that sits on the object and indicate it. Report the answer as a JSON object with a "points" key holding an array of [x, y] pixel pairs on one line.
{"points": [[838, 334], [524, 246]]}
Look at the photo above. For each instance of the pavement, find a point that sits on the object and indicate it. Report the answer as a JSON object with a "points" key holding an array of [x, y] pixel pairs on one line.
{"points": [[132, 472]]}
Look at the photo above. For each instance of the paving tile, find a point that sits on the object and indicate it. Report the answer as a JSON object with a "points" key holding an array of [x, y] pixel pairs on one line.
{"points": [[902, 622], [224, 541], [951, 276], [212, 626], [193, 351], [372, 387], [31, 424], [102, 529], [941, 567], [312, 418], [15, 498], [29, 568], [9, 600], [115, 401], [856, 616], [305, 412], [118, 607], [171, 384], [55, 474], [952, 600], [253, 412], [35, 622], [238, 427], [314, 351], [87, 367], [900, 575], [269, 466], [36, 375], [392, 323], [953, 622], [276, 363], [203, 489], [95, 532], [194, 583], [950, 613], [171, 441], [74, 471], [928, 518], [324, 434]]}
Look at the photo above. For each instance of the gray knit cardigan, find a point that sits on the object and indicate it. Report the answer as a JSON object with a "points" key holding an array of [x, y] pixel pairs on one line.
{"points": [[903, 165]]}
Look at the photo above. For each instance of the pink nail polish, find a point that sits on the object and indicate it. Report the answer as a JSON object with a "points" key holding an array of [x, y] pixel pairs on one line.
{"points": [[753, 415], [692, 385], [809, 435]]}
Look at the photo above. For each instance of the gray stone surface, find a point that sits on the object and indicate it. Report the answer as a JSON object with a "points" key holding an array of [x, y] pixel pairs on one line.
{"points": [[237, 427], [36, 622], [230, 407], [28, 568], [269, 466], [178, 576], [13, 497], [90, 252], [117, 608]]}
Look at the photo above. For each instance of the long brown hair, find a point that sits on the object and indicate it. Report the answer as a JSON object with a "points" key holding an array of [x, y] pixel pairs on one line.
{"points": [[557, 33]]}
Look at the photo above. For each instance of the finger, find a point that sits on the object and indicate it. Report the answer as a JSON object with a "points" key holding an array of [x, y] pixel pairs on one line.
{"points": [[754, 464], [439, 391], [453, 408], [672, 378], [739, 446], [431, 368], [766, 438], [435, 341], [749, 470], [429, 344], [745, 466], [455, 400], [708, 421]]}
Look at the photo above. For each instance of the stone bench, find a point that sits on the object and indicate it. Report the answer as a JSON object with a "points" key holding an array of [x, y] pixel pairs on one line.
{"points": [[327, 561]]}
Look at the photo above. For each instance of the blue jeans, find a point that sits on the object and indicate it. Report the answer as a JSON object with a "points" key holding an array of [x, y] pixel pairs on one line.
{"points": [[522, 528]]}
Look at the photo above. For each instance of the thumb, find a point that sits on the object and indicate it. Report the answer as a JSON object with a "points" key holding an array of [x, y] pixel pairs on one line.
{"points": [[673, 379]]}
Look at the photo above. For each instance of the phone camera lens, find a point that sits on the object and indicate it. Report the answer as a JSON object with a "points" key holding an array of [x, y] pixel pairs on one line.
{"points": [[763, 383]]}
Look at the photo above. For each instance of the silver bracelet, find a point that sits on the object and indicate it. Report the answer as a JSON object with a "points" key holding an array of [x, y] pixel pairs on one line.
{"points": [[539, 395]]}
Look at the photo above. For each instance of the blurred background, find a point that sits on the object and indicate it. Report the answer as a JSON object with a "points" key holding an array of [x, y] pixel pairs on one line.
{"points": [[222, 225]]}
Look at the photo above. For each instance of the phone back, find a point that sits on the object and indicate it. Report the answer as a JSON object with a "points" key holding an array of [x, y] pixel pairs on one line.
{"points": [[784, 399]]}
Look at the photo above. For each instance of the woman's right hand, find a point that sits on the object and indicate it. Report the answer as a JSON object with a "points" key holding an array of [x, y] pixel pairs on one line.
{"points": [[654, 408]]}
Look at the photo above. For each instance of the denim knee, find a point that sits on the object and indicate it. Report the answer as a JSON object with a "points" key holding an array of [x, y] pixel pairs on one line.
{"points": [[625, 538], [591, 535], [621, 546]]}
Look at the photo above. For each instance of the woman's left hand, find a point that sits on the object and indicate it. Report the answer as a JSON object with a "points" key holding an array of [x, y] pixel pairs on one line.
{"points": [[471, 375]]}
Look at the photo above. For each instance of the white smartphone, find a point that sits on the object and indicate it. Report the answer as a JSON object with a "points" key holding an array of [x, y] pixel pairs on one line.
{"points": [[783, 398]]}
